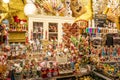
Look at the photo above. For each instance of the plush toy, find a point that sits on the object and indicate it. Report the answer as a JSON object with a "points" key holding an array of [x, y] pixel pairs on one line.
{"points": [[86, 10], [68, 11], [18, 68], [77, 68], [3, 34], [77, 8]]}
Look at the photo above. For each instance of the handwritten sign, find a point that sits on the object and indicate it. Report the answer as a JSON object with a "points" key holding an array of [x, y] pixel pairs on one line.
{"points": [[100, 20], [61, 58], [82, 23]]}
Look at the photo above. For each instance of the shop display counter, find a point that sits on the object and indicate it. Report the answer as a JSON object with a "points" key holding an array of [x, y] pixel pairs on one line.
{"points": [[65, 77], [102, 76]]}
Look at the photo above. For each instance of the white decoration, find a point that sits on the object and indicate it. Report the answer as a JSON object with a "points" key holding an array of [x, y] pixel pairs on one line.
{"points": [[6, 1], [66, 50], [30, 9], [68, 11]]}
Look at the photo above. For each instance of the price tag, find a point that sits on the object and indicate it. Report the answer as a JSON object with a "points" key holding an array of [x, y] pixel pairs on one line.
{"points": [[61, 58], [82, 24]]}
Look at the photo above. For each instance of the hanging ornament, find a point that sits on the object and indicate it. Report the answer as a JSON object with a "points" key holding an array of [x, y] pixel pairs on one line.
{"points": [[16, 19]]}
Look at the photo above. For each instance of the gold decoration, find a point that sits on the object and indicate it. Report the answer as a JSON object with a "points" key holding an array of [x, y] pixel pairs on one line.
{"points": [[13, 8], [77, 8], [88, 14]]}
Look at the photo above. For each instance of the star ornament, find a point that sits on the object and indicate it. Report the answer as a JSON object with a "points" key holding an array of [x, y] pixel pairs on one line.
{"points": [[8, 10]]}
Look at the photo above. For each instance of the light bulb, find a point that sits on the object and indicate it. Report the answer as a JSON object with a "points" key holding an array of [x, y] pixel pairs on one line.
{"points": [[6, 1], [30, 9]]}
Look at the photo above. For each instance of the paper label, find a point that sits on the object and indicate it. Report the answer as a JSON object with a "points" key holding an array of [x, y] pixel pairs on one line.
{"points": [[61, 59]]}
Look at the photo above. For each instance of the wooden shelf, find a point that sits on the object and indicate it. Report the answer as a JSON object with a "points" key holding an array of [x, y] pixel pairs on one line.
{"points": [[16, 40], [53, 32], [110, 61], [59, 77], [17, 36], [102, 76], [36, 32], [16, 31]]}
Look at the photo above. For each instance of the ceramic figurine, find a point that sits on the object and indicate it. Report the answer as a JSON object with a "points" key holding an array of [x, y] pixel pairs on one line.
{"points": [[55, 71], [42, 11], [68, 11], [77, 68], [72, 64], [108, 51], [103, 51], [111, 50], [49, 72], [114, 51], [44, 72]]}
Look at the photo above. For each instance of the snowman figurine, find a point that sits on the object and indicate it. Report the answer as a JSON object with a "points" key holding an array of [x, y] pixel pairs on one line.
{"points": [[68, 11]]}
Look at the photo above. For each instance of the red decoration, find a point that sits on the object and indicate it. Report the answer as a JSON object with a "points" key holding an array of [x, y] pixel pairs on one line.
{"points": [[16, 19], [118, 51], [44, 72], [24, 20]]}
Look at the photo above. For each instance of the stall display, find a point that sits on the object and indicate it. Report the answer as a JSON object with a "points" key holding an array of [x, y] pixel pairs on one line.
{"points": [[49, 62], [17, 51], [106, 62], [17, 30], [111, 69], [62, 41]]}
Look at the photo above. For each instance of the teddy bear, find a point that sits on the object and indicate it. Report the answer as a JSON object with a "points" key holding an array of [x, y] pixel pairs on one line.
{"points": [[77, 8]]}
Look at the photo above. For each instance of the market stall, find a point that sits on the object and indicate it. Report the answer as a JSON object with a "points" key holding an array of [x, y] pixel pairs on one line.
{"points": [[60, 40]]}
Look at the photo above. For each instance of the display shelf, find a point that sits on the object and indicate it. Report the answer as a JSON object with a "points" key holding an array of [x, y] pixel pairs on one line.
{"points": [[59, 77], [53, 32], [17, 40], [16, 60], [51, 25], [16, 31], [109, 61], [102, 76], [37, 32], [17, 36]]}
